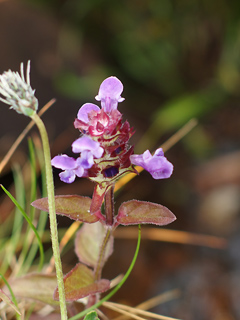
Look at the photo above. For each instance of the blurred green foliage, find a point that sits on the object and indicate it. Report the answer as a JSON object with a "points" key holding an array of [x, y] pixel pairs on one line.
{"points": [[177, 59]]}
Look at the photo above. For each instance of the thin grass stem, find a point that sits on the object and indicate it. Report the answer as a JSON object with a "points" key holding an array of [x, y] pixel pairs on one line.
{"points": [[14, 300], [28, 221]]}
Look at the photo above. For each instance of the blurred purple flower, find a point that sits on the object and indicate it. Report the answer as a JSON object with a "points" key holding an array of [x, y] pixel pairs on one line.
{"points": [[157, 165], [87, 144], [110, 94]]}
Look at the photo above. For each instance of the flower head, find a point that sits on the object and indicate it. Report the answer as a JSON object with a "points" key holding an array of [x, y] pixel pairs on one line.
{"points": [[157, 165], [17, 91], [104, 152]]}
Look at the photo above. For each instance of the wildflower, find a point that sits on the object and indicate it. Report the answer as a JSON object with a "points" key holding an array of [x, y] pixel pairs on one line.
{"points": [[17, 91], [103, 147], [157, 165]]}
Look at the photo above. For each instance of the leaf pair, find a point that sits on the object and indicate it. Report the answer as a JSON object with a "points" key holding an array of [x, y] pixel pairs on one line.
{"points": [[131, 212]]}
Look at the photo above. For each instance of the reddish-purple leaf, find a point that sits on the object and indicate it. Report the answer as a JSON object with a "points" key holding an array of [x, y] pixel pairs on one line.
{"points": [[88, 243], [79, 283], [142, 212], [35, 287], [73, 206]]}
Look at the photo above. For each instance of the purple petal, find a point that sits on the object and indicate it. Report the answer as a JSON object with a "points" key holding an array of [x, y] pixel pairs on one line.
{"points": [[146, 156], [157, 165], [63, 162], [86, 160], [159, 152], [98, 152], [110, 93], [79, 171], [85, 143], [137, 159], [67, 176], [84, 111], [160, 168]]}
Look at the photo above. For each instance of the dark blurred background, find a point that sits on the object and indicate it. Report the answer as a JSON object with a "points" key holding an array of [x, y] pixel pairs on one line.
{"points": [[177, 60]]}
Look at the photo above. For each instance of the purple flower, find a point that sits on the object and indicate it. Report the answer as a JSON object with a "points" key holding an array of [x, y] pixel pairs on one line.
{"points": [[110, 94], [71, 167], [87, 144], [85, 110], [157, 165]]}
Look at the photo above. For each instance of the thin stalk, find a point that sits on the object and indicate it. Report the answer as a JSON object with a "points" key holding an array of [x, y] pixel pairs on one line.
{"points": [[109, 205], [11, 245], [27, 244], [42, 218], [108, 296], [52, 214], [100, 262], [109, 212], [32, 253]]}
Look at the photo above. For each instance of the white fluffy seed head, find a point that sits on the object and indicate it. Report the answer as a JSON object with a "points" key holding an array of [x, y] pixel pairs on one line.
{"points": [[17, 91]]}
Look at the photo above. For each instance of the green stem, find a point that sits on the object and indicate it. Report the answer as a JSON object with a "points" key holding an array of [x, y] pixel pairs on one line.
{"points": [[108, 296], [52, 214], [100, 262]]}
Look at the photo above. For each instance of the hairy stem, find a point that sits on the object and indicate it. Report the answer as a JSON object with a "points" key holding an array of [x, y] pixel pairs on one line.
{"points": [[100, 262], [109, 205], [52, 214], [109, 213]]}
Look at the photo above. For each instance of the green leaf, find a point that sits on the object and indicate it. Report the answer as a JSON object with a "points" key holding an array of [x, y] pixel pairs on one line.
{"points": [[73, 206], [92, 315], [88, 243], [142, 212], [35, 286], [79, 283]]}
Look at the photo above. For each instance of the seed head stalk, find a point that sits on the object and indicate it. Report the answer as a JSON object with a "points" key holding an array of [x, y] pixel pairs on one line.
{"points": [[52, 214]]}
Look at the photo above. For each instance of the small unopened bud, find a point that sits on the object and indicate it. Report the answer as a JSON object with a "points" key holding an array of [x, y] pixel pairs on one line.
{"points": [[17, 91]]}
